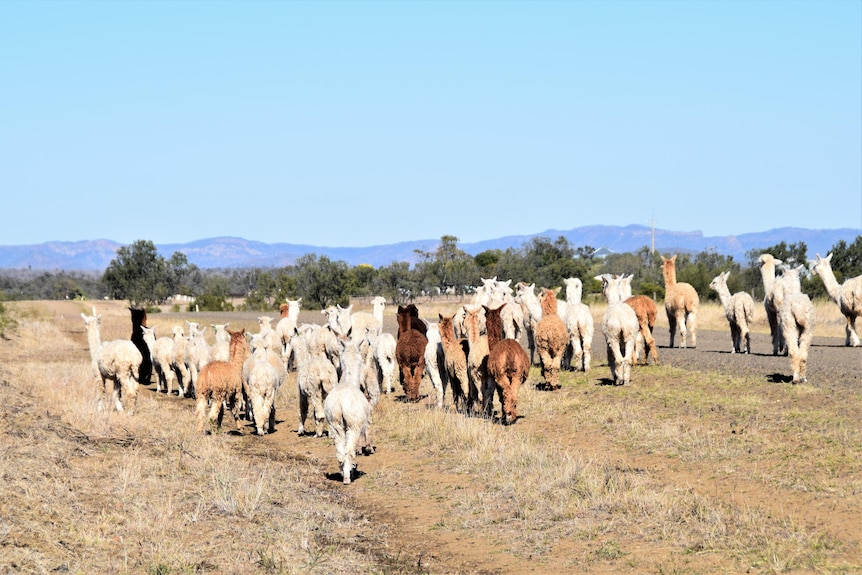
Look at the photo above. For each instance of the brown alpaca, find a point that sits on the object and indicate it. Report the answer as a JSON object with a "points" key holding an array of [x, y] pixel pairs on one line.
{"points": [[410, 350], [680, 303], [220, 384], [646, 310], [552, 337], [455, 353], [508, 366]]}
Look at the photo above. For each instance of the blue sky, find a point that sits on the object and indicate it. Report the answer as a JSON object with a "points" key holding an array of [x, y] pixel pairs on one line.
{"points": [[365, 123]]}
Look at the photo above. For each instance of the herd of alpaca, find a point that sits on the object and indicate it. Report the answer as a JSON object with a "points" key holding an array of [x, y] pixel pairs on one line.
{"points": [[343, 366]]}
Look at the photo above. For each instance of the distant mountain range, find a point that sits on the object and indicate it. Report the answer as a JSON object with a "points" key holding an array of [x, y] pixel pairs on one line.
{"points": [[230, 252]]}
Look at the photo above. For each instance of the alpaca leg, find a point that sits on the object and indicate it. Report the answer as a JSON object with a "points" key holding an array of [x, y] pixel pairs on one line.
{"points": [[201, 410], [271, 428], [588, 346], [319, 418], [671, 320], [683, 331], [131, 388], [350, 439], [118, 403], [488, 387], [510, 404], [303, 412], [627, 361], [775, 330], [639, 348], [650, 343], [852, 338], [734, 337], [691, 327], [577, 354]]}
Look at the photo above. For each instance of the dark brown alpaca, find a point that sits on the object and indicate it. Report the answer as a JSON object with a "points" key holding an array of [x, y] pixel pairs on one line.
{"points": [[552, 337], [508, 366], [139, 319], [410, 350]]}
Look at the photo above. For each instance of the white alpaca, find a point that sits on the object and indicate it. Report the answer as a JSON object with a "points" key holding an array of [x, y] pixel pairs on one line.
{"points": [[620, 328], [480, 381], [739, 310], [363, 321], [848, 295], [435, 364], [531, 310], [117, 361], [259, 346], [348, 411], [262, 385], [579, 323], [286, 328], [384, 355], [267, 331], [315, 376], [178, 362], [796, 320], [160, 351], [220, 349], [197, 353], [768, 263]]}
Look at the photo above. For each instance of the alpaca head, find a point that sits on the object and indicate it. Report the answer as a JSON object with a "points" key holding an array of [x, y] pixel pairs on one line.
{"points": [[719, 282]]}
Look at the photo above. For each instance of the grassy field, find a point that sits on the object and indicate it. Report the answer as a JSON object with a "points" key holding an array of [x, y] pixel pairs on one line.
{"points": [[681, 472]]}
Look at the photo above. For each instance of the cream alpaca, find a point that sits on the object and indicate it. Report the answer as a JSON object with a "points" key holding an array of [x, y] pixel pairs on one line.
{"points": [[848, 295], [552, 337], [117, 361], [739, 310], [680, 303]]}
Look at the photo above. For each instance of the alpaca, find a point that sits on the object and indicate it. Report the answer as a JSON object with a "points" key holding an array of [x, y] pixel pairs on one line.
{"points": [[117, 361], [410, 350], [580, 325], [197, 354], [139, 320], [286, 328], [680, 302], [552, 337], [316, 375], [739, 310], [220, 384], [848, 295], [435, 364], [455, 355], [646, 311], [348, 412], [178, 363], [259, 347], [796, 321], [220, 350], [477, 358], [267, 331], [768, 263], [160, 351], [362, 321], [262, 385], [532, 312], [384, 355], [620, 327], [508, 366]]}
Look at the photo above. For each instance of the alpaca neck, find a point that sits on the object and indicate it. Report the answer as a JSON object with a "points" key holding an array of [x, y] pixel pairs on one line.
{"points": [[94, 338], [828, 276], [767, 274], [549, 305], [669, 277], [495, 331], [472, 324], [724, 295]]}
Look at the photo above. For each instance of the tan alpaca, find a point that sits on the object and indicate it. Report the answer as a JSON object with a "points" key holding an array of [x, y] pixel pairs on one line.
{"points": [[646, 312], [455, 355], [552, 337], [220, 384], [477, 361], [848, 295], [680, 302]]}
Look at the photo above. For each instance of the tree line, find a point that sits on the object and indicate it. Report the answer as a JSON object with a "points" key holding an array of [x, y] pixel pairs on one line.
{"points": [[144, 278]]}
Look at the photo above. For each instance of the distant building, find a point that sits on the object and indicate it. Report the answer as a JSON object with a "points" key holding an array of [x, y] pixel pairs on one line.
{"points": [[603, 252]]}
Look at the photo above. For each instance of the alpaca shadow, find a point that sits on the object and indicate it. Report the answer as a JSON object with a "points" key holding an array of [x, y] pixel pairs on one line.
{"points": [[337, 476], [403, 399], [607, 381], [545, 386], [779, 378]]}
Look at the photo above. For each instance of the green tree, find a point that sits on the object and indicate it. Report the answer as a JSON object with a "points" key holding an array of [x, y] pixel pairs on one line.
{"points": [[447, 266], [551, 262], [322, 282], [396, 282], [846, 259], [137, 274]]}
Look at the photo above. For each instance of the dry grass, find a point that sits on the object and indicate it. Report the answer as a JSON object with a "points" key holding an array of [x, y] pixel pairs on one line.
{"points": [[595, 478]]}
